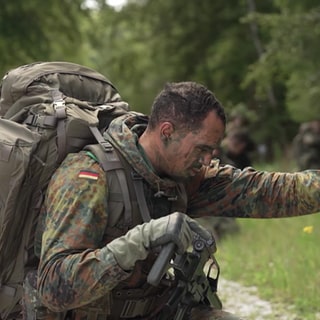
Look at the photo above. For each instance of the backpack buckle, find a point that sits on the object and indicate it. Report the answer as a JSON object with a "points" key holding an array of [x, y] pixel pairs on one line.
{"points": [[106, 145], [60, 109], [135, 175], [34, 120]]}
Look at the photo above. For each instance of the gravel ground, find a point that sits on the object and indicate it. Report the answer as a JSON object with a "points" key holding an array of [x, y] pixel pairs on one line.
{"points": [[244, 302]]}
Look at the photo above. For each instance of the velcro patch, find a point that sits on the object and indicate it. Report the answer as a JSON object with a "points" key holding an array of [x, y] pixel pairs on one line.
{"points": [[88, 175]]}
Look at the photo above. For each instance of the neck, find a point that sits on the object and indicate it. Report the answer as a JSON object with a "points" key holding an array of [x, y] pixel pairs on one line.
{"points": [[151, 147]]}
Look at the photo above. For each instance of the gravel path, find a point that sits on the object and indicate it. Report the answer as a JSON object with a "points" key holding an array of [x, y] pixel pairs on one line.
{"points": [[244, 302]]}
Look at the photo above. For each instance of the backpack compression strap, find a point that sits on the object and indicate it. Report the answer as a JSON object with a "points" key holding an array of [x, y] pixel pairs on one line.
{"points": [[53, 121]]}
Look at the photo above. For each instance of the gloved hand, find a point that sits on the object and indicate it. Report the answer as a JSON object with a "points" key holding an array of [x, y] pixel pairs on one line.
{"points": [[137, 242]]}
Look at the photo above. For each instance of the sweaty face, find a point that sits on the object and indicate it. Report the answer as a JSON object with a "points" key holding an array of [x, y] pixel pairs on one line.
{"points": [[188, 151]]}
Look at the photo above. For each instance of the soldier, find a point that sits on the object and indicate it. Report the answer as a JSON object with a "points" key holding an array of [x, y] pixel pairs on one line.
{"points": [[94, 267], [306, 146], [235, 150], [238, 119]]}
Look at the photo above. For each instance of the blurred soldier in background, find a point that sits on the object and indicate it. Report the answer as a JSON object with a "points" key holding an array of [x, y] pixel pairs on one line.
{"points": [[237, 120], [306, 146], [235, 150]]}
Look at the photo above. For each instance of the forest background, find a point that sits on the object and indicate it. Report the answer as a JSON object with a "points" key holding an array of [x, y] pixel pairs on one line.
{"points": [[260, 58]]}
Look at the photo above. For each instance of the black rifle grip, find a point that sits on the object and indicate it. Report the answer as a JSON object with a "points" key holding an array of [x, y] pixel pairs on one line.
{"points": [[161, 265]]}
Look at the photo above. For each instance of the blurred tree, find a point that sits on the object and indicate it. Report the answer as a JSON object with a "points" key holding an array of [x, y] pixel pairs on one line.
{"points": [[202, 41], [259, 54], [291, 56], [42, 30], [121, 39]]}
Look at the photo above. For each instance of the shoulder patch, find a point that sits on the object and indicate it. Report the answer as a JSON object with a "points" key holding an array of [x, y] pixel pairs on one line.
{"points": [[86, 174]]}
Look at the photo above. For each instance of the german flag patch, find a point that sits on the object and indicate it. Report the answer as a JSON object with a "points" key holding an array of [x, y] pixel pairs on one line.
{"points": [[85, 174]]}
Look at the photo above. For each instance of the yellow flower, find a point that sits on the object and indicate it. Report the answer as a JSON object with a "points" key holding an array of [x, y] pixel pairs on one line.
{"points": [[308, 229]]}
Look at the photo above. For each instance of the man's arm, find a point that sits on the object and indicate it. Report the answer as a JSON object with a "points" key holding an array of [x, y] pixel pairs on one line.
{"points": [[227, 191], [75, 266]]}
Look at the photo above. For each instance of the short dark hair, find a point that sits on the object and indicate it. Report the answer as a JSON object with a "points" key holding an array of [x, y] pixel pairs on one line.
{"points": [[185, 104]]}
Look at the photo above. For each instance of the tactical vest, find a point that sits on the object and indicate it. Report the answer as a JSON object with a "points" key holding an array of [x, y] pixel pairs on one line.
{"points": [[129, 204]]}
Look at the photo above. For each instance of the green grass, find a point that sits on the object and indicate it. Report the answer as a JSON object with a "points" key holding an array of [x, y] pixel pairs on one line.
{"points": [[279, 257]]}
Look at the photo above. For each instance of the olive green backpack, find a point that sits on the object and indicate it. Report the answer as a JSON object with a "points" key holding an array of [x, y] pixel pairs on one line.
{"points": [[48, 109]]}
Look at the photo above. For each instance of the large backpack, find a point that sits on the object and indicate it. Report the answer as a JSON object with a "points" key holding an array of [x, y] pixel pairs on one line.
{"points": [[48, 109]]}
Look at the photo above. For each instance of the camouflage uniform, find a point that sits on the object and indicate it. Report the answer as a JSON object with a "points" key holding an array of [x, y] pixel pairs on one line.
{"points": [[76, 268]]}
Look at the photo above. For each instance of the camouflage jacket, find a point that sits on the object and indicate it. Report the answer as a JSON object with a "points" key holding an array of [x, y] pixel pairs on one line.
{"points": [[76, 268]]}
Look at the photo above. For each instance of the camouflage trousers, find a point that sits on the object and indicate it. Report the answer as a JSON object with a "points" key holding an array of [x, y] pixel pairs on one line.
{"points": [[33, 309]]}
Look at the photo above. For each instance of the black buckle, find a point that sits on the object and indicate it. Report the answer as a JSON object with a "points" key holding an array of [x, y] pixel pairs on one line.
{"points": [[135, 175], [32, 120], [106, 145]]}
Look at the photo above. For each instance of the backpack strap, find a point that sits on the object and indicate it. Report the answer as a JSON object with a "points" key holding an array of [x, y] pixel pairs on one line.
{"points": [[134, 178], [59, 102], [59, 106], [43, 121], [142, 203], [110, 160]]}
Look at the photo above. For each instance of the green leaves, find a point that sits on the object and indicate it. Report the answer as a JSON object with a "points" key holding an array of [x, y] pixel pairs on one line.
{"points": [[262, 54], [291, 57], [41, 30]]}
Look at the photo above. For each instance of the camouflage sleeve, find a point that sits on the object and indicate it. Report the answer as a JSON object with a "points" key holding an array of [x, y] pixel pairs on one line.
{"points": [[76, 268], [227, 191]]}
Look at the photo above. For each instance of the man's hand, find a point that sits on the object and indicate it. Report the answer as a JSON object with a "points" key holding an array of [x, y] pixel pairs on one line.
{"points": [[137, 242]]}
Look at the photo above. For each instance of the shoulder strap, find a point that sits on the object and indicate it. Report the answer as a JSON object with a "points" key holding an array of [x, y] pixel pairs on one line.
{"points": [[142, 203], [111, 160]]}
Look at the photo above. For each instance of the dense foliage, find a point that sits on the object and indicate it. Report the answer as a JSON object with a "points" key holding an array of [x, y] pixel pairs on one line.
{"points": [[259, 57]]}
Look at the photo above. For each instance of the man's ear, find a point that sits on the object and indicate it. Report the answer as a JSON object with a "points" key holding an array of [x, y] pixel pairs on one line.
{"points": [[166, 130]]}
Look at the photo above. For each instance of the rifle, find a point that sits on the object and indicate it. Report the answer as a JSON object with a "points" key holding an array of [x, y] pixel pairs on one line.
{"points": [[194, 286]]}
